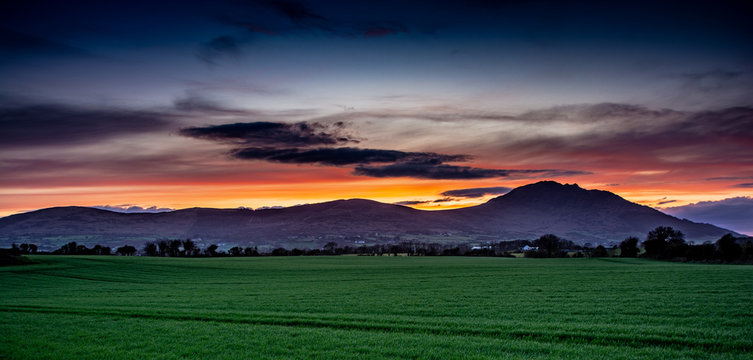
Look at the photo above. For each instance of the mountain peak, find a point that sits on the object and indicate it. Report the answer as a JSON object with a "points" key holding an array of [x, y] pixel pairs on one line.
{"points": [[549, 185]]}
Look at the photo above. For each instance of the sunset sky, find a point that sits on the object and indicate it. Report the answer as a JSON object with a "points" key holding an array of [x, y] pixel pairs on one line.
{"points": [[431, 104]]}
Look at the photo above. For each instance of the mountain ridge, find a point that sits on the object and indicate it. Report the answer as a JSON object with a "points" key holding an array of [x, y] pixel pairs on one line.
{"points": [[526, 212]]}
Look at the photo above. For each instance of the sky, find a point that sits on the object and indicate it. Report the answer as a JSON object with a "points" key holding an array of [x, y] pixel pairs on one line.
{"points": [[150, 106]]}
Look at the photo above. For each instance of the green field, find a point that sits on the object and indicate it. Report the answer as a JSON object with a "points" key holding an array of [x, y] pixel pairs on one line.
{"points": [[374, 307]]}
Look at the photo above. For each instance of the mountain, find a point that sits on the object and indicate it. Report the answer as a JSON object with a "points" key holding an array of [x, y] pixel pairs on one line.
{"points": [[526, 212], [572, 212]]}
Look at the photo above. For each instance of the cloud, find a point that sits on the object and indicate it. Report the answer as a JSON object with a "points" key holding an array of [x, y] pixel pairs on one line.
{"points": [[665, 202], [423, 202], [609, 134], [477, 192], [273, 134], [413, 202], [744, 185], [439, 171], [219, 47], [298, 12], [128, 208], [51, 124], [729, 178], [259, 19], [732, 213], [13, 43], [340, 156], [274, 18], [194, 103]]}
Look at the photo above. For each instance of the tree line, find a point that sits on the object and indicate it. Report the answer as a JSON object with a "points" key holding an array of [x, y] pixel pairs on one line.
{"points": [[662, 243]]}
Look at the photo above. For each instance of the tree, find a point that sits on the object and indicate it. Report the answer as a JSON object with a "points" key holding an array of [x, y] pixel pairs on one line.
{"points": [[703, 252], [126, 250], [330, 247], [280, 252], [163, 247], [70, 248], [150, 249], [211, 250], [235, 251], [101, 250], [249, 251], [629, 247], [188, 247], [657, 243], [549, 244], [728, 249], [173, 248], [600, 251]]}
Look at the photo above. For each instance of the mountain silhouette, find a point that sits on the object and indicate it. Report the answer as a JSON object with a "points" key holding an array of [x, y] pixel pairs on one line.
{"points": [[527, 212]]}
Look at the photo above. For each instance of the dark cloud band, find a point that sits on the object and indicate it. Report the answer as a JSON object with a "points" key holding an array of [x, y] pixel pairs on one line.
{"points": [[439, 171], [340, 156], [275, 134]]}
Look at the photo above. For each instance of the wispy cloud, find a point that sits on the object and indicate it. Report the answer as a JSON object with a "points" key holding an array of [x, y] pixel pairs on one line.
{"points": [[259, 19], [424, 202], [477, 192], [13, 43], [219, 47], [53, 124]]}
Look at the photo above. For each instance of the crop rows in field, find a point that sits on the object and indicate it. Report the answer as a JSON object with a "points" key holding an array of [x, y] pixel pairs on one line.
{"points": [[580, 307]]}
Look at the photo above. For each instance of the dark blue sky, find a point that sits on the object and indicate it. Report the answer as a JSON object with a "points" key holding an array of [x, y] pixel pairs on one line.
{"points": [[403, 100]]}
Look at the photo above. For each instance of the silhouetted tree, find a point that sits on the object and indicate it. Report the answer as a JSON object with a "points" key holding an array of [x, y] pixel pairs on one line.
{"points": [[249, 251], [82, 250], [600, 251], [549, 244], [126, 250], [150, 249], [727, 248], [329, 248], [280, 252], [211, 250], [748, 251], [629, 247], [70, 248], [703, 252], [163, 247], [25, 248], [188, 247], [101, 250], [656, 243], [173, 248], [235, 251]]}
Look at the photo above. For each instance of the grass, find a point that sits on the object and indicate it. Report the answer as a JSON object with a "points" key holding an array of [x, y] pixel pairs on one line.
{"points": [[374, 307]]}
